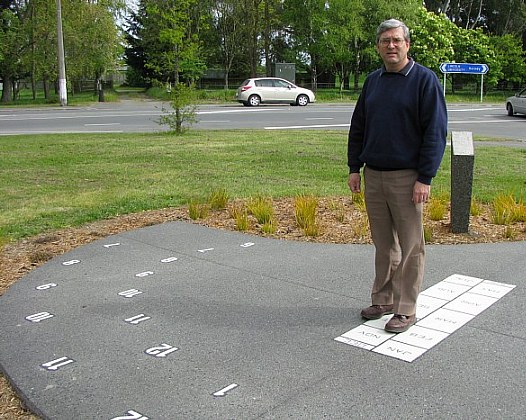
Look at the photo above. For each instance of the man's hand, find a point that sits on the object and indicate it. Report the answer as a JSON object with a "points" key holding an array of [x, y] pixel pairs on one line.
{"points": [[421, 192], [354, 182]]}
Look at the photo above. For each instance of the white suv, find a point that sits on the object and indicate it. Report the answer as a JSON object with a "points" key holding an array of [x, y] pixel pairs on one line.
{"points": [[272, 90]]}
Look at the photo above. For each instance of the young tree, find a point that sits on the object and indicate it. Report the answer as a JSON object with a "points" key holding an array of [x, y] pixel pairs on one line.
{"points": [[183, 111]]}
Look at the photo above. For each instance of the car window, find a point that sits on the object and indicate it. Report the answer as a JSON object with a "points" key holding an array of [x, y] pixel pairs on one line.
{"points": [[522, 93], [264, 83], [281, 84]]}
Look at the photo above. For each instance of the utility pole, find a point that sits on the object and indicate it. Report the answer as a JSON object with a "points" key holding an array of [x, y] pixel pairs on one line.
{"points": [[62, 88]]}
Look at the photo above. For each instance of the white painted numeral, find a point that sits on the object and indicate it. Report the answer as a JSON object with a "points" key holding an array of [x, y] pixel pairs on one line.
{"points": [[57, 363], [112, 245], [130, 293], [144, 274], [137, 318], [131, 415], [162, 350], [39, 316], [169, 260], [46, 286], [71, 262], [247, 244], [205, 250]]}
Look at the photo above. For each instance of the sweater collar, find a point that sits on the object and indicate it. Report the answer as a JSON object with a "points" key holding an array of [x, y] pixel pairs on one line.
{"points": [[405, 71]]}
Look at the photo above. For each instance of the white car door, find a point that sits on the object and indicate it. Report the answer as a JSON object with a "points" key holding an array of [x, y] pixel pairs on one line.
{"points": [[284, 90], [266, 90], [521, 102]]}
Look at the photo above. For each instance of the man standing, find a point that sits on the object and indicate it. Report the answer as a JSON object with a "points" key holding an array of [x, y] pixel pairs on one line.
{"points": [[398, 132]]}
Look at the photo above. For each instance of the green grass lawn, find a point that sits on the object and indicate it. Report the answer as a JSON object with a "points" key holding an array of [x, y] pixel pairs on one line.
{"points": [[53, 181]]}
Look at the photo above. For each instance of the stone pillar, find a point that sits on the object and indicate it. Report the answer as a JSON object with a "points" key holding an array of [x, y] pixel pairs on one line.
{"points": [[462, 161]]}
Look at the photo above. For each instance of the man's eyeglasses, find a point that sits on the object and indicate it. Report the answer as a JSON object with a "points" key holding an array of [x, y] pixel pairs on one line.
{"points": [[384, 42]]}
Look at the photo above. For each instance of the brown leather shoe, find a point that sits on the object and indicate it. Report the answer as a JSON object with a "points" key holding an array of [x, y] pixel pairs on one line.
{"points": [[400, 323], [376, 311]]}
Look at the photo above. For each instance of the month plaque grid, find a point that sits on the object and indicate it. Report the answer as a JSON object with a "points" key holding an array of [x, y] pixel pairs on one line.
{"points": [[441, 310]]}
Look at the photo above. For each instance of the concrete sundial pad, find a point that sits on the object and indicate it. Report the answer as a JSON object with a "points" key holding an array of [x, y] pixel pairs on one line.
{"points": [[180, 321]]}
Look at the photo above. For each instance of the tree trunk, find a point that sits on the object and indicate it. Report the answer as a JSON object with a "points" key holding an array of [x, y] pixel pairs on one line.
{"points": [[7, 91], [33, 85], [226, 79], [445, 7], [314, 73], [45, 82]]}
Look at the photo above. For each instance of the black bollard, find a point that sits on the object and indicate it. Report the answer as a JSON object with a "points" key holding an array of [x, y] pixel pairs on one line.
{"points": [[462, 162]]}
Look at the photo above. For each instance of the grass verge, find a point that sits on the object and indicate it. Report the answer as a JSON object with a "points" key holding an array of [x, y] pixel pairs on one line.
{"points": [[53, 181]]}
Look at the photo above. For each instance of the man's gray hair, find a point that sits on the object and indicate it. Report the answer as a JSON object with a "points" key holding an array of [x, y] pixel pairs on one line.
{"points": [[392, 24]]}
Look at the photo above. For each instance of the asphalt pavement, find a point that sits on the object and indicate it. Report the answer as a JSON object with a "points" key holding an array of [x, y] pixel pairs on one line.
{"points": [[180, 321]]}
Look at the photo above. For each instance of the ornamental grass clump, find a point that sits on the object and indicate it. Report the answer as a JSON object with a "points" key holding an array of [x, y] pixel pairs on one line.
{"points": [[475, 209], [218, 199], [198, 210], [503, 212], [261, 208], [519, 213], [339, 209], [358, 199], [305, 214], [436, 208], [240, 215], [360, 226], [269, 227], [509, 233], [428, 233]]}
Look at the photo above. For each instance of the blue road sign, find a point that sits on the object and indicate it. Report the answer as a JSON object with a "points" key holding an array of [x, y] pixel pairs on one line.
{"points": [[467, 68]]}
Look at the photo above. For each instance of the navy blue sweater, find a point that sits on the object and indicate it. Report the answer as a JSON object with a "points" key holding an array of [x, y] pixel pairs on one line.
{"points": [[400, 122]]}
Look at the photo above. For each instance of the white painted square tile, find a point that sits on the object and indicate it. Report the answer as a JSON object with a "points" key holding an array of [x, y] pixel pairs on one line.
{"points": [[379, 323], [463, 280], [446, 291], [368, 335], [445, 320], [399, 350], [428, 304], [492, 289], [420, 337], [470, 303]]}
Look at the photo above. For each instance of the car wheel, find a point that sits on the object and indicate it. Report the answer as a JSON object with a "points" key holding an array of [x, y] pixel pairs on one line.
{"points": [[254, 100], [302, 100], [509, 108], [246, 104]]}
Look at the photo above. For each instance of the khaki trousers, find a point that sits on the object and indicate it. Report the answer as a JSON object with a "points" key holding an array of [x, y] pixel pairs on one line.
{"points": [[397, 232]]}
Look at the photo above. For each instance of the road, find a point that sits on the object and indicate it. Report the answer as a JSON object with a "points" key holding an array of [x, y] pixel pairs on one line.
{"points": [[142, 116]]}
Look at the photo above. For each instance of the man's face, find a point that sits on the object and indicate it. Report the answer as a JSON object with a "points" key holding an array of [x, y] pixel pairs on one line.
{"points": [[393, 49]]}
